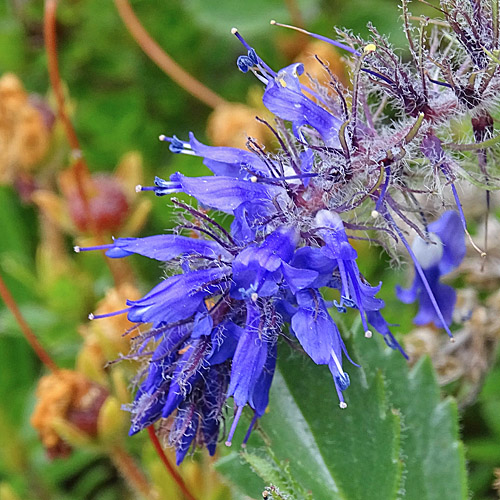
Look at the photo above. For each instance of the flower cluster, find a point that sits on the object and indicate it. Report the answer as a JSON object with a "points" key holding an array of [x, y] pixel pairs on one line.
{"points": [[343, 172]]}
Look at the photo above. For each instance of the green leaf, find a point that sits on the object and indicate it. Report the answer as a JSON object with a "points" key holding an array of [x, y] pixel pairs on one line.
{"points": [[252, 18], [432, 455], [396, 438], [334, 453]]}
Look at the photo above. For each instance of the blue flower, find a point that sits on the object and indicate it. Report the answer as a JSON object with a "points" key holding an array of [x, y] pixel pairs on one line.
{"points": [[210, 330], [440, 254]]}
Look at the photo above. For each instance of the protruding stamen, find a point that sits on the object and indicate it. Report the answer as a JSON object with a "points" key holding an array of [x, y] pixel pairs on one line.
{"points": [[368, 334], [108, 315], [249, 431], [79, 249], [319, 37], [236, 33], [140, 188], [343, 405], [239, 411]]}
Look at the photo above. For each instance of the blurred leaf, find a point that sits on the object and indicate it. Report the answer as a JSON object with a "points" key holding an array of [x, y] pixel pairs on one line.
{"points": [[252, 18]]}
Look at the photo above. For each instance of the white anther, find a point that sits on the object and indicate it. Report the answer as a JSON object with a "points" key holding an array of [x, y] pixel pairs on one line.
{"points": [[234, 31], [343, 405], [368, 334], [162, 137], [254, 296], [254, 178], [272, 21], [76, 248], [375, 214], [228, 443], [138, 188], [91, 316]]}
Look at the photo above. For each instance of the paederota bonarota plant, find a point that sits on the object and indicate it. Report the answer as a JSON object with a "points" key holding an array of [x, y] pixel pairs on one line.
{"points": [[343, 171]]}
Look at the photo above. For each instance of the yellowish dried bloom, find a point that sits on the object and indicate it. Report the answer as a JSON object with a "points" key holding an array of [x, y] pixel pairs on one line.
{"points": [[24, 137], [67, 401], [104, 339], [231, 124]]}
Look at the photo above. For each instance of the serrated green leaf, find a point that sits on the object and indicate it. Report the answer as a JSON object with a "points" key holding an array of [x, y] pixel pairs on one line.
{"points": [[334, 453], [432, 454], [358, 452]]}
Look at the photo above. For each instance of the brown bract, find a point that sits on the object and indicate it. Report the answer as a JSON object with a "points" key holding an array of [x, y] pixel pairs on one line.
{"points": [[66, 397], [24, 135]]}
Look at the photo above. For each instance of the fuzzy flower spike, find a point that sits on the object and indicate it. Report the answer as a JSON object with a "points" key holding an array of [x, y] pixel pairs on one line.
{"points": [[209, 333]]}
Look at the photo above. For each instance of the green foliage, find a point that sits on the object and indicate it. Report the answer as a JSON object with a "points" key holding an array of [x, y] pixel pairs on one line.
{"points": [[396, 438]]}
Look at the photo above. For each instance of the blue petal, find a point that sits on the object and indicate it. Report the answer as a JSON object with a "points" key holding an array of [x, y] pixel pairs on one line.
{"points": [[226, 193], [450, 230], [314, 327], [224, 341], [249, 358], [226, 161], [298, 279], [164, 247], [287, 102], [260, 395], [162, 304]]}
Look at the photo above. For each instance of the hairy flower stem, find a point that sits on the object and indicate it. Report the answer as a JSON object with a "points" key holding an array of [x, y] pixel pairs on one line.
{"points": [[28, 333], [166, 462], [163, 60]]}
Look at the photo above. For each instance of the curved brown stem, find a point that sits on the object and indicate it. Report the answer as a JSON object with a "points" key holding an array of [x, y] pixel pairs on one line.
{"points": [[28, 333], [163, 60], [131, 473], [170, 468], [50, 38]]}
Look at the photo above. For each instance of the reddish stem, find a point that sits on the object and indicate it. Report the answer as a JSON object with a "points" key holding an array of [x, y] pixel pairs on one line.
{"points": [[170, 468], [163, 60], [25, 328], [50, 38]]}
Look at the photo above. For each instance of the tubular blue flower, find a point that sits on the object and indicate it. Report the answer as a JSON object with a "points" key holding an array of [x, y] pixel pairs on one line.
{"points": [[221, 193], [354, 292], [283, 97], [442, 253], [222, 161], [217, 318]]}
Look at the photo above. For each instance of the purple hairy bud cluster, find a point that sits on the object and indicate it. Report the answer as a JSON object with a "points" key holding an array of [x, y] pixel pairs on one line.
{"points": [[346, 168]]}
